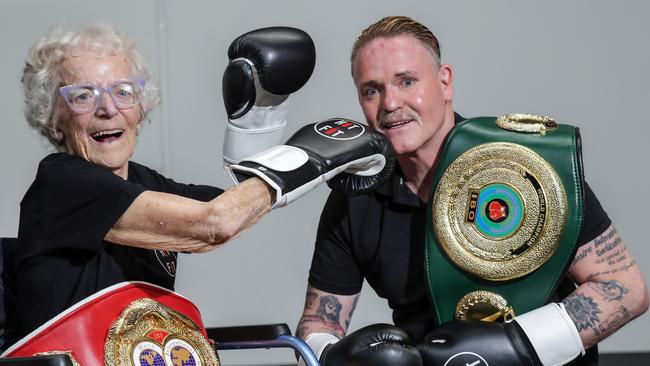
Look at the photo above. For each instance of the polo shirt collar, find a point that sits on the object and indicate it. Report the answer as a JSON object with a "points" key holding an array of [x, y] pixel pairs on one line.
{"points": [[395, 187]]}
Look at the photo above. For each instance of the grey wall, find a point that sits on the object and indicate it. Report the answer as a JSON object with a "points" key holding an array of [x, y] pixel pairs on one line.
{"points": [[583, 62]]}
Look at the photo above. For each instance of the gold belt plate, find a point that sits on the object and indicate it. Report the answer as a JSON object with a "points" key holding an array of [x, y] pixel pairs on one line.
{"points": [[499, 211], [150, 333]]}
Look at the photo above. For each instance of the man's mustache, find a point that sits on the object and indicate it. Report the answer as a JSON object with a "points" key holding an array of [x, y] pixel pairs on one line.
{"points": [[396, 116]]}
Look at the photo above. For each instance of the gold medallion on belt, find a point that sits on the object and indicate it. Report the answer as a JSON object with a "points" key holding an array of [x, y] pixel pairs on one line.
{"points": [[150, 333], [499, 211]]}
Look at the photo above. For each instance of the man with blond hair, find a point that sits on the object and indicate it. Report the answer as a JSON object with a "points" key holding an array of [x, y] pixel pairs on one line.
{"points": [[406, 93]]}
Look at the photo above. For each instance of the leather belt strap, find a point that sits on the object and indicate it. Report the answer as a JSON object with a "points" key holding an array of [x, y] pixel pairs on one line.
{"points": [[130, 323], [504, 216]]}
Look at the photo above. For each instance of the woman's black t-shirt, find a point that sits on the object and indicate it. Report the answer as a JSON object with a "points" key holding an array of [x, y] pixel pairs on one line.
{"points": [[60, 256]]}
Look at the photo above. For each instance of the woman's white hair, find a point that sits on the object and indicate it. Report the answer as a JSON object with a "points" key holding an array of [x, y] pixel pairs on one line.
{"points": [[42, 79]]}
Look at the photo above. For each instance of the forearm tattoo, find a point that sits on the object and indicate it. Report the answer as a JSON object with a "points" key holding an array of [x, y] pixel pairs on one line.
{"points": [[611, 290], [310, 299], [583, 310], [609, 251], [613, 322], [582, 253], [624, 268], [354, 306], [301, 330], [328, 313], [598, 308], [608, 248]]}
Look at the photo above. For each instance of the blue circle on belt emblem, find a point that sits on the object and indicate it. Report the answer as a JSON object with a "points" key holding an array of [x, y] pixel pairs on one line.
{"points": [[500, 211], [150, 357], [182, 356]]}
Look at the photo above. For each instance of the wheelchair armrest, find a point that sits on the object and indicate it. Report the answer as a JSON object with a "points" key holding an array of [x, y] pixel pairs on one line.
{"points": [[248, 333], [49, 360], [260, 336]]}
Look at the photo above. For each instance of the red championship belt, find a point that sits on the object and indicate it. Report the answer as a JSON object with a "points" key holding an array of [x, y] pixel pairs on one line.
{"points": [[130, 323]]}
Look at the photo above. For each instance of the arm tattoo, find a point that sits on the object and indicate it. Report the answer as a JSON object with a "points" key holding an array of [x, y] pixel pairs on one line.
{"points": [[310, 298], [624, 268], [582, 310], [613, 322], [605, 237], [301, 330], [611, 290], [329, 309], [327, 313], [611, 253], [354, 305], [581, 255], [609, 249]]}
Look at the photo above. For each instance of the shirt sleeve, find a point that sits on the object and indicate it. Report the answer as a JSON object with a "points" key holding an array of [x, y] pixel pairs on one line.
{"points": [[155, 181], [334, 268], [77, 203], [595, 220]]}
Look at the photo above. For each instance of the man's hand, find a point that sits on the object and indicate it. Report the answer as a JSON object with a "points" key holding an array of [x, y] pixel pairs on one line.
{"points": [[377, 345], [542, 337]]}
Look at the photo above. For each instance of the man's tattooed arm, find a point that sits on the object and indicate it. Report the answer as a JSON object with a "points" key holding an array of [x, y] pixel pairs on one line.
{"points": [[611, 292], [326, 313]]}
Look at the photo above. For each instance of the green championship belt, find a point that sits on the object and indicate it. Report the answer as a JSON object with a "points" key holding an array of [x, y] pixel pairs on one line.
{"points": [[504, 216]]}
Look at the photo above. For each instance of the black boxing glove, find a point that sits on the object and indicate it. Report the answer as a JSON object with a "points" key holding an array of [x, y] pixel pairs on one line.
{"points": [[266, 65], [320, 152], [374, 345], [542, 337]]}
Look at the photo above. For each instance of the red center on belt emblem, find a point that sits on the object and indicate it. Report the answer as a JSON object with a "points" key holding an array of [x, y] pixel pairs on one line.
{"points": [[497, 210]]}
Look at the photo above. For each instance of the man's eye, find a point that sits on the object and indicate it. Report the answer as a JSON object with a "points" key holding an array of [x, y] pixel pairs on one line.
{"points": [[408, 82], [372, 92]]}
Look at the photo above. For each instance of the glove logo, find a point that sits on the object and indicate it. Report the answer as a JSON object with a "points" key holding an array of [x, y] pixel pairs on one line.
{"points": [[466, 359], [339, 129]]}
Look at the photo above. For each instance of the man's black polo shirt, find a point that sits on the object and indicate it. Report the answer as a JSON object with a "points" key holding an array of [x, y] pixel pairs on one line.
{"points": [[380, 237]]}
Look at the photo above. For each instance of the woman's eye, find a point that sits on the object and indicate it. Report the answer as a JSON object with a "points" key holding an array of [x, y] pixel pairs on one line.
{"points": [[125, 91], [82, 97]]}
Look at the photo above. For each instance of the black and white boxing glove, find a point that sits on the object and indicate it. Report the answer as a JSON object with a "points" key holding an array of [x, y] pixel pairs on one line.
{"points": [[545, 336], [347, 154], [266, 65], [376, 345]]}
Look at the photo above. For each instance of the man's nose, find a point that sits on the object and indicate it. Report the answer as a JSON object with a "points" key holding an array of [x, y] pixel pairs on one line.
{"points": [[392, 100], [106, 106]]}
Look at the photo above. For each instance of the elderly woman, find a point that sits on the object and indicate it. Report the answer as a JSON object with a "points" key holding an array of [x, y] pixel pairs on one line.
{"points": [[92, 218]]}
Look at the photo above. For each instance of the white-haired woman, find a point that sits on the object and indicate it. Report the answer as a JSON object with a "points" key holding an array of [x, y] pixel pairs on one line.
{"points": [[92, 218]]}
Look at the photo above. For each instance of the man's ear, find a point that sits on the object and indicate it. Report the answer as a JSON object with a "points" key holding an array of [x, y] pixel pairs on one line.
{"points": [[446, 76]]}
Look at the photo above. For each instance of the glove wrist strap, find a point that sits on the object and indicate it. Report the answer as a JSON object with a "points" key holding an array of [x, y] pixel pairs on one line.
{"points": [[318, 342], [552, 333], [240, 143]]}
